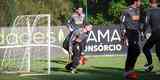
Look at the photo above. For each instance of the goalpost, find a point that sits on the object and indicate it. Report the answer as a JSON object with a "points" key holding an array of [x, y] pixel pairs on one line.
{"points": [[22, 51]]}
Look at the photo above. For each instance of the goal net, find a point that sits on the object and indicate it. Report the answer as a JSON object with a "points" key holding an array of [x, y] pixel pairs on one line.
{"points": [[26, 46]]}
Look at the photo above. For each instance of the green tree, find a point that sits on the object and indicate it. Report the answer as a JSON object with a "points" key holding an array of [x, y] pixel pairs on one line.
{"points": [[59, 9], [7, 12], [115, 10]]}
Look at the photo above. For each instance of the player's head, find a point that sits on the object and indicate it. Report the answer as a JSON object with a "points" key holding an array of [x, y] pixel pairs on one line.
{"points": [[137, 3], [153, 3], [88, 27], [78, 9]]}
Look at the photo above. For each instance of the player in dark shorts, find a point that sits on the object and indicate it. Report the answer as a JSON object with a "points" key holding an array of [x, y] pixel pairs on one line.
{"points": [[77, 44]]}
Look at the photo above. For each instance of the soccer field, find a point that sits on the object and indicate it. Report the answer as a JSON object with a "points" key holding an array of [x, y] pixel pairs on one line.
{"points": [[97, 68]]}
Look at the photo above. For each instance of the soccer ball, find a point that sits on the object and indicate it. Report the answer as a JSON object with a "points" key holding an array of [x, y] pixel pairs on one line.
{"points": [[132, 76], [82, 60]]}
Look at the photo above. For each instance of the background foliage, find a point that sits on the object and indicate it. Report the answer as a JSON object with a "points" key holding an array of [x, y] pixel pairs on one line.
{"points": [[99, 12]]}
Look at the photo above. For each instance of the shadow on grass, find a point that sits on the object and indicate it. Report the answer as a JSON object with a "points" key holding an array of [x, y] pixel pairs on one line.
{"points": [[56, 61], [99, 73], [58, 69], [93, 73], [59, 61], [54, 69]]}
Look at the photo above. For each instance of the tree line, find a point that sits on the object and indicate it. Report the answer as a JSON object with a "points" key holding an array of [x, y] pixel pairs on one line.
{"points": [[99, 12]]}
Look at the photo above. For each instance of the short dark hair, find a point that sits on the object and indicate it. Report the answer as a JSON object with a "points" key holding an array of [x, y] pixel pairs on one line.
{"points": [[132, 1], [76, 7], [85, 24], [152, 1]]}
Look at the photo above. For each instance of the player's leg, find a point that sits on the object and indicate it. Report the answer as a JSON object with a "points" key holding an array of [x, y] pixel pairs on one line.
{"points": [[133, 49], [72, 65], [66, 41], [66, 47], [147, 52], [136, 49], [158, 50], [129, 61], [75, 57], [133, 53]]}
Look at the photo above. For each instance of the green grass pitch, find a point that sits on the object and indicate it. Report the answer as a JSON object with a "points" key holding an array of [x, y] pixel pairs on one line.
{"points": [[97, 68]]}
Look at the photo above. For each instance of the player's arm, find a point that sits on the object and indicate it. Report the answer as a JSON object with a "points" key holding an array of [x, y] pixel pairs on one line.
{"points": [[70, 23], [83, 44], [147, 21], [123, 26], [126, 19], [144, 24], [72, 40]]}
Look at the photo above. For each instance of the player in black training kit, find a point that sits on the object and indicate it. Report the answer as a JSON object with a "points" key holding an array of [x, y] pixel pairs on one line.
{"points": [[76, 21], [77, 44], [132, 25], [152, 21]]}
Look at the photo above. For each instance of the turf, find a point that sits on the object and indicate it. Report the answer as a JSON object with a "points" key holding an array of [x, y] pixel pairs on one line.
{"points": [[97, 68]]}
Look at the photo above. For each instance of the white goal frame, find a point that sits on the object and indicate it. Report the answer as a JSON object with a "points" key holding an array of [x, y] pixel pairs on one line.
{"points": [[48, 45]]}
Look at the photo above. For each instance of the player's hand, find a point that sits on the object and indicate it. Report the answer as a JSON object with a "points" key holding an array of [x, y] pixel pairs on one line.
{"points": [[124, 40], [83, 53], [142, 36], [70, 50], [78, 40]]}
